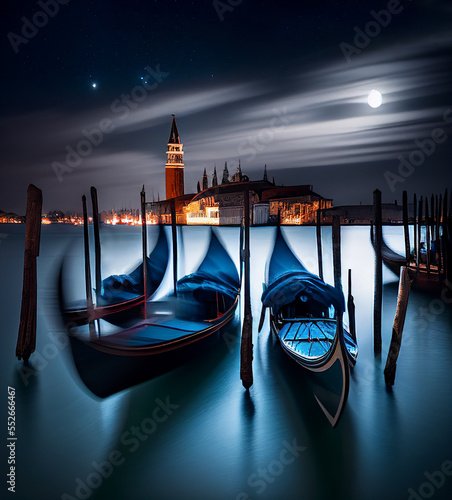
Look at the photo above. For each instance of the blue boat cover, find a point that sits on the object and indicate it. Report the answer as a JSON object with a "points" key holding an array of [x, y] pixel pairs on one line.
{"points": [[118, 288], [217, 273], [288, 278]]}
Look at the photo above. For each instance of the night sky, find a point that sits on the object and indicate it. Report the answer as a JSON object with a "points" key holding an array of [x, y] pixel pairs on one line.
{"points": [[281, 83]]}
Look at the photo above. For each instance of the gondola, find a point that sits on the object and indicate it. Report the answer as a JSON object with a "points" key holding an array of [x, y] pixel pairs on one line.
{"points": [[423, 279], [122, 296], [176, 328], [306, 316]]}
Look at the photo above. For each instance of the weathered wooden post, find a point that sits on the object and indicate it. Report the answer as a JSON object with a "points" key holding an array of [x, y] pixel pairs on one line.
{"points": [[427, 236], [26, 338], [416, 242], [419, 233], [397, 329], [449, 244], [438, 232], [444, 239], [432, 218], [174, 235], [246, 346], [337, 270], [96, 241], [88, 286], [447, 229], [351, 307], [378, 287], [241, 247], [144, 243], [319, 243], [406, 227], [336, 235]]}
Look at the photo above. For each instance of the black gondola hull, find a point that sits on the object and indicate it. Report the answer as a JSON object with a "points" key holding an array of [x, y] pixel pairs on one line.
{"points": [[105, 370], [330, 374], [299, 304]]}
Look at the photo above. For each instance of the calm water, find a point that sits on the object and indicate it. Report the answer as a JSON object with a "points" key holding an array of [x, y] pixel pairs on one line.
{"points": [[214, 442]]}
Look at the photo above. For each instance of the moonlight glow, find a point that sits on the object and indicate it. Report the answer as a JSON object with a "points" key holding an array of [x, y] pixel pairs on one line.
{"points": [[374, 99]]}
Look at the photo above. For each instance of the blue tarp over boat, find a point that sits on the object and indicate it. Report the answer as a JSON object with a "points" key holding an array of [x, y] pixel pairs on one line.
{"points": [[119, 288], [217, 273], [288, 279], [202, 297]]}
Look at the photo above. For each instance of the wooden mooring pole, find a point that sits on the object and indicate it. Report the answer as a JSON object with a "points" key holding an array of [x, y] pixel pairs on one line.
{"points": [[26, 338], [439, 201], [144, 244], [88, 286], [448, 250], [397, 329], [427, 235], [174, 234], [432, 220], [337, 270], [351, 307], [319, 243], [378, 286], [336, 235], [419, 233], [444, 239], [406, 231], [246, 346], [415, 241], [97, 254]]}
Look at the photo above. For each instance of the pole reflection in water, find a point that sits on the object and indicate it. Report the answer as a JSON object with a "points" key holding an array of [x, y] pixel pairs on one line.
{"points": [[217, 437]]}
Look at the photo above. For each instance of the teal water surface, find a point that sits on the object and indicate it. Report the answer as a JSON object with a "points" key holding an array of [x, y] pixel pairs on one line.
{"points": [[194, 433]]}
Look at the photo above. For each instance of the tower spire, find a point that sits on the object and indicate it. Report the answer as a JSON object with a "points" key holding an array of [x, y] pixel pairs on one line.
{"points": [[265, 173], [225, 174], [174, 168], [174, 133], [214, 177], [205, 183]]}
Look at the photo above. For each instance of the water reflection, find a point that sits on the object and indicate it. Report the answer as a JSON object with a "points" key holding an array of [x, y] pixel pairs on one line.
{"points": [[219, 435]]}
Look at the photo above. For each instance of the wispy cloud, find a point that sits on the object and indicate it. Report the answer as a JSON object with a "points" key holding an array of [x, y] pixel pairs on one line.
{"points": [[332, 124], [323, 113]]}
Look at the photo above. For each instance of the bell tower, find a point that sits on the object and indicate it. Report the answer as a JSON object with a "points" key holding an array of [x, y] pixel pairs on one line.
{"points": [[174, 168]]}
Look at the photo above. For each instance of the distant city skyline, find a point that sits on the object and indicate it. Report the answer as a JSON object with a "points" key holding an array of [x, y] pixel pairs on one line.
{"points": [[88, 99]]}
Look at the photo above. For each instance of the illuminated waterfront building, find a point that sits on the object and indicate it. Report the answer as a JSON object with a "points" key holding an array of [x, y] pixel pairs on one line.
{"points": [[223, 204]]}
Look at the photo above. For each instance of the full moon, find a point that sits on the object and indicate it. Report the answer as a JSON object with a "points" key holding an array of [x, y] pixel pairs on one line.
{"points": [[374, 99]]}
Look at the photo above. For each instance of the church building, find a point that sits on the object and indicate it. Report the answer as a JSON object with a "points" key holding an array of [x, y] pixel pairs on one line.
{"points": [[222, 204]]}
